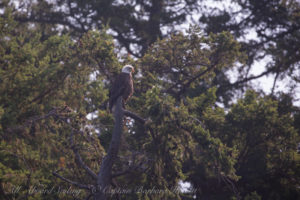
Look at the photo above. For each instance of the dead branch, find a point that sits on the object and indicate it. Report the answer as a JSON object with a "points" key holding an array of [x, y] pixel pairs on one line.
{"points": [[82, 186], [80, 161], [135, 116]]}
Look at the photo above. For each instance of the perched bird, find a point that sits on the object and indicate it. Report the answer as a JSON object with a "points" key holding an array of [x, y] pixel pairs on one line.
{"points": [[122, 86]]}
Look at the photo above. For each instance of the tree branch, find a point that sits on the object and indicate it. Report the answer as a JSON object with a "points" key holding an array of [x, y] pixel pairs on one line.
{"points": [[129, 169], [80, 161], [188, 83], [82, 186], [32, 120], [49, 21], [247, 79], [135, 116]]}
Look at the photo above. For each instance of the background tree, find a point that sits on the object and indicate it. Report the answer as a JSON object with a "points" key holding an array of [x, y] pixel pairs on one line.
{"points": [[266, 140], [269, 31], [55, 129], [138, 24], [135, 24], [46, 93]]}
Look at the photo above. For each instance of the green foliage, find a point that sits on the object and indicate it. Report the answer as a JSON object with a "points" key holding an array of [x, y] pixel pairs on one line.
{"points": [[50, 82], [46, 89], [186, 65], [265, 140], [253, 196]]}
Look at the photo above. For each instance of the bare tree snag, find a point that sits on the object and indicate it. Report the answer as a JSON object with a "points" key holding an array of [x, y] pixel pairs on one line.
{"points": [[104, 175]]}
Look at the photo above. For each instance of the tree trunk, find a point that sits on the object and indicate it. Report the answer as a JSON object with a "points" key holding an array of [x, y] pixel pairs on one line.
{"points": [[104, 175]]}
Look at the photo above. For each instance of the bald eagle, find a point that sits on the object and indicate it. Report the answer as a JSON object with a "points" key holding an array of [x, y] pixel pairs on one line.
{"points": [[122, 86]]}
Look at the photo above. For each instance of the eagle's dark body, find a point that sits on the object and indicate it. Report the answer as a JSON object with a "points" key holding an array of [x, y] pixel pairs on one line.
{"points": [[122, 86]]}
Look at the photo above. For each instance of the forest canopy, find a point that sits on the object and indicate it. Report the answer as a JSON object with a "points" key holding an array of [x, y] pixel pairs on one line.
{"points": [[188, 123]]}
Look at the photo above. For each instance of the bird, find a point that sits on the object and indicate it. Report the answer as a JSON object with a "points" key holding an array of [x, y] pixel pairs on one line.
{"points": [[122, 86]]}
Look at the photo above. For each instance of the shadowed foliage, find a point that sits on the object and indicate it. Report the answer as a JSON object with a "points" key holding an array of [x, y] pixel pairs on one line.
{"points": [[186, 121]]}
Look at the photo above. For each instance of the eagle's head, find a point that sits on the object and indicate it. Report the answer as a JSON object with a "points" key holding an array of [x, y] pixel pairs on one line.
{"points": [[127, 69]]}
